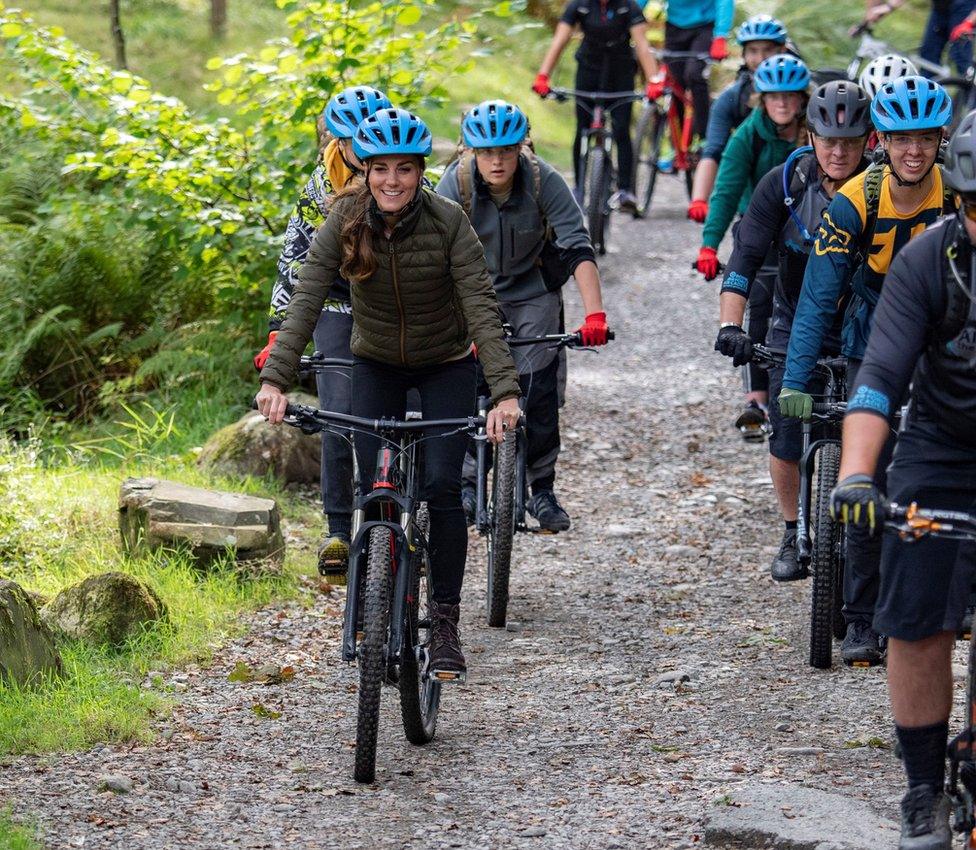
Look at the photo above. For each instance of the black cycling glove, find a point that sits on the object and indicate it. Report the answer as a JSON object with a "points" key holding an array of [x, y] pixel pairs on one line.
{"points": [[734, 342], [858, 500]]}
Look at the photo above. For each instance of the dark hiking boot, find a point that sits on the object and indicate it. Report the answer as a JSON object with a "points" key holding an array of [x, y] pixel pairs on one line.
{"points": [[548, 512], [862, 645], [446, 659], [925, 820], [785, 566]]}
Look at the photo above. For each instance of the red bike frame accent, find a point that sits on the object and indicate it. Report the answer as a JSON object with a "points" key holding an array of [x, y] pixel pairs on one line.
{"points": [[680, 118]]}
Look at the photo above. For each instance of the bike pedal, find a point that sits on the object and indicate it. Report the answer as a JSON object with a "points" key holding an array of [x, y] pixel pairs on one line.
{"points": [[447, 676]]}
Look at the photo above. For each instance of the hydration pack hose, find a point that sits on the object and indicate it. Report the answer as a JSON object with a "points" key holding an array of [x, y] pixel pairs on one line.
{"points": [[788, 199]]}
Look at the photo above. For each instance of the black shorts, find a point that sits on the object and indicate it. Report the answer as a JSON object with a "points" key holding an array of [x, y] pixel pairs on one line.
{"points": [[926, 584], [786, 432]]}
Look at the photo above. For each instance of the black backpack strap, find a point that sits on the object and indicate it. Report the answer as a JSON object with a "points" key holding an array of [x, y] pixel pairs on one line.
{"points": [[957, 256]]}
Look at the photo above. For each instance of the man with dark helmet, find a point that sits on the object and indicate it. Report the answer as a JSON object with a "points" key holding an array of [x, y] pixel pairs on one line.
{"points": [[923, 335], [785, 211]]}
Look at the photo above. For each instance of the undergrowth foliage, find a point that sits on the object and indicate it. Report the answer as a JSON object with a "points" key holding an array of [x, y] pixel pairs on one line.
{"points": [[127, 222]]}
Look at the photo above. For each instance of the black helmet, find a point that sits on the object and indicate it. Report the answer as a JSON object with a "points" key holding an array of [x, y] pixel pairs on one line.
{"points": [[839, 109], [959, 170]]}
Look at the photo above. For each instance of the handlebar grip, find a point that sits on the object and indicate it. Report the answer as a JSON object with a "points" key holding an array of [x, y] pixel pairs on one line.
{"points": [[827, 407]]}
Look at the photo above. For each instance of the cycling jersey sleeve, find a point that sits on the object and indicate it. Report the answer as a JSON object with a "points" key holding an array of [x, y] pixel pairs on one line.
{"points": [[307, 217], [724, 12], [721, 122], [571, 14], [635, 15], [911, 304], [731, 182], [826, 279], [758, 229]]}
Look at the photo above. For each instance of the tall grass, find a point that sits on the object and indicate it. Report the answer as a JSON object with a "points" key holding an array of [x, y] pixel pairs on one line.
{"points": [[15, 836]]}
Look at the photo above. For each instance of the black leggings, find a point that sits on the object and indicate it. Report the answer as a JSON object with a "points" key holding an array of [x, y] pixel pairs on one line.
{"points": [[618, 75], [447, 391], [691, 72]]}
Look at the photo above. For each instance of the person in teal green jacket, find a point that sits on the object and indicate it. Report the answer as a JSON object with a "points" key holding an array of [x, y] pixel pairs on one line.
{"points": [[763, 141]]}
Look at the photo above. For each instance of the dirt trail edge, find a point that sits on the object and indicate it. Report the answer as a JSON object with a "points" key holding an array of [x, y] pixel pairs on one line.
{"points": [[650, 672]]}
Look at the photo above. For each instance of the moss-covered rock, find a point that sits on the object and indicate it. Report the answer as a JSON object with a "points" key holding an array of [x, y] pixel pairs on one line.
{"points": [[251, 446], [27, 650], [108, 608]]}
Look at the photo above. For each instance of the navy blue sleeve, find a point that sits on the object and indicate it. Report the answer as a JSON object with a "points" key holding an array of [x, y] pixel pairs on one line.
{"points": [[759, 228], [571, 14], [912, 302], [721, 122], [635, 14]]}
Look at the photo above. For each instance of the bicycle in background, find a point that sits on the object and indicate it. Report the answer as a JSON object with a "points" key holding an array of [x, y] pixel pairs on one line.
{"points": [[596, 180]]}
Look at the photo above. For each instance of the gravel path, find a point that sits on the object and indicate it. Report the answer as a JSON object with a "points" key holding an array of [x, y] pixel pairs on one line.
{"points": [[651, 667]]}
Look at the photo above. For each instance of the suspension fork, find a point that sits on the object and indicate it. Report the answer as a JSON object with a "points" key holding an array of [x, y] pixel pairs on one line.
{"points": [[521, 474], [481, 479], [401, 556]]}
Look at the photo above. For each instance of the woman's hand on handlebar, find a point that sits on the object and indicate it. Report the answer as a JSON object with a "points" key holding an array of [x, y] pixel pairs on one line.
{"points": [[272, 403], [501, 417]]}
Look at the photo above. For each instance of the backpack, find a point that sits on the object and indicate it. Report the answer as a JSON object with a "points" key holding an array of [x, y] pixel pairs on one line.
{"points": [[554, 269], [958, 302]]}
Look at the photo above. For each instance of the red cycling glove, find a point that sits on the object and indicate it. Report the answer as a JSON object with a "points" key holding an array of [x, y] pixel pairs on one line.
{"points": [[262, 356], [707, 262], [718, 50], [541, 85], [698, 211], [594, 329], [655, 89], [962, 30]]}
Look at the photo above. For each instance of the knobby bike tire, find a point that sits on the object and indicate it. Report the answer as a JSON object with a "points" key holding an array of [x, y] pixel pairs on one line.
{"points": [[650, 138], [501, 530], [825, 560], [372, 661], [420, 695], [596, 200]]}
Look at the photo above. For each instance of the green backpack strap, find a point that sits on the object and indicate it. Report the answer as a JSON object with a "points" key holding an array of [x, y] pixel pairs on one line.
{"points": [[873, 178], [464, 174]]}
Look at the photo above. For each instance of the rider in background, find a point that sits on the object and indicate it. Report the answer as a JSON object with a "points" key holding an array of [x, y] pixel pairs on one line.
{"points": [[948, 22], [868, 222], [517, 203], [923, 334], [605, 63], [338, 167], [761, 36], [421, 293], [763, 141], [695, 26], [838, 119], [883, 69]]}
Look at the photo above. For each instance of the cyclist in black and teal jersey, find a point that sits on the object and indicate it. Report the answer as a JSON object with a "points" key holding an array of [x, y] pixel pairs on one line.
{"points": [[868, 222], [785, 212], [338, 168]]}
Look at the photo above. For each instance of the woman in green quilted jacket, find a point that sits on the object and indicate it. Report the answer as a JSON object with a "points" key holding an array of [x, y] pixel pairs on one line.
{"points": [[421, 295]]}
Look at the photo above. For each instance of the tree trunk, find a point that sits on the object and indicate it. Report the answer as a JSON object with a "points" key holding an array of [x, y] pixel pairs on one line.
{"points": [[218, 18], [118, 37]]}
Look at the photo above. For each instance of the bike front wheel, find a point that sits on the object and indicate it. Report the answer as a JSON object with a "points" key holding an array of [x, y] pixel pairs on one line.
{"points": [[501, 530], [826, 561], [597, 192], [372, 650], [649, 139], [420, 695]]}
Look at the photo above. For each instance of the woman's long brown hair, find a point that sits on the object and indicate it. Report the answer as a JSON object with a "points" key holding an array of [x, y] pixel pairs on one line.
{"points": [[356, 238]]}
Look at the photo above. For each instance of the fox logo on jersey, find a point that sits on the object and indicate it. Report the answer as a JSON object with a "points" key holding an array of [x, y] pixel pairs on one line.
{"points": [[831, 239]]}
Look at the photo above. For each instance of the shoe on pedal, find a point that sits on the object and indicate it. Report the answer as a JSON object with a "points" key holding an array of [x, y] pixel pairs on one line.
{"points": [[862, 646], [752, 423], [548, 512], [785, 566], [925, 820], [625, 201], [469, 502], [334, 559], [446, 661]]}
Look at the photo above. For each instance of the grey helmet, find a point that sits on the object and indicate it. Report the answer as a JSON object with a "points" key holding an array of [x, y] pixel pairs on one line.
{"points": [[839, 109], [959, 170]]}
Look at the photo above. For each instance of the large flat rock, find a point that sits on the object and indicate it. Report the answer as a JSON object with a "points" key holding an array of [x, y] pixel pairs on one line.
{"points": [[155, 513], [792, 817]]}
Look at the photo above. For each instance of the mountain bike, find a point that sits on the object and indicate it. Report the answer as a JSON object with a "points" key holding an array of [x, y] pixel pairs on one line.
{"points": [[913, 523], [502, 490], [820, 542], [596, 178], [387, 624]]}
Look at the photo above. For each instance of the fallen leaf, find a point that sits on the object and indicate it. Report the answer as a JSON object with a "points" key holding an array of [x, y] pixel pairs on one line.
{"points": [[262, 710], [241, 673]]}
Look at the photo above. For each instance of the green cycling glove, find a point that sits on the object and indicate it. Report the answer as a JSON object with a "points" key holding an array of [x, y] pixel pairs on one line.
{"points": [[795, 403]]}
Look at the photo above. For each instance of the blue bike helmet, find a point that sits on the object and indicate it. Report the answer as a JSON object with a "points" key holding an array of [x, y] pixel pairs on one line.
{"points": [[494, 123], [348, 108], [391, 131], [910, 103], [781, 73], [761, 28]]}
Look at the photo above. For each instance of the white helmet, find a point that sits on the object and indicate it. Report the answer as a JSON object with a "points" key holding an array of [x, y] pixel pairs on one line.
{"points": [[884, 69]]}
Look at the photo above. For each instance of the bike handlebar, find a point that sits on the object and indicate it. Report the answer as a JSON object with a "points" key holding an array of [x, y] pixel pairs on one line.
{"points": [[597, 96], [308, 414], [573, 340], [912, 522], [665, 55]]}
